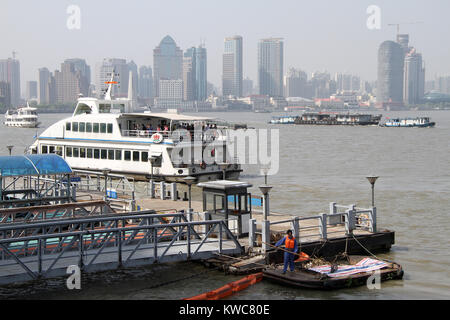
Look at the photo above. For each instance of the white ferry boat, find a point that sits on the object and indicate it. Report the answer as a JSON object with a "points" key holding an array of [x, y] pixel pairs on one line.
{"points": [[25, 117], [283, 120], [107, 134], [420, 122]]}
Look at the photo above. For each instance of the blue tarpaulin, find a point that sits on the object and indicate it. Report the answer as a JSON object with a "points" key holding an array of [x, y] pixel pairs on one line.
{"points": [[33, 164]]}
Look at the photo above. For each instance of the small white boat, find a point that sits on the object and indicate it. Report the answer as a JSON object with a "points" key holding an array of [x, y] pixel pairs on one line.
{"points": [[25, 117], [283, 120], [420, 122]]}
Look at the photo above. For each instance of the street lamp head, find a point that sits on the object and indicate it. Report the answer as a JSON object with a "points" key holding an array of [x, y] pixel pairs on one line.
{"points": [[10, 149], [372, 179], [189, 180], [265, 189]]}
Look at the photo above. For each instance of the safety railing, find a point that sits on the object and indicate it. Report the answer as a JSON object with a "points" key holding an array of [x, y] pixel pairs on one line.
{"points": [[40, 248], [323, 225]]}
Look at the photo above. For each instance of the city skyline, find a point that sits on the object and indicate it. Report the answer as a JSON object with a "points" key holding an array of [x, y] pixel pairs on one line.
{"points": [[327, 43]]}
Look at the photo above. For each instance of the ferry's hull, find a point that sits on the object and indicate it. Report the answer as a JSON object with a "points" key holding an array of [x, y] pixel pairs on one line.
{"points": [[22, 125]]}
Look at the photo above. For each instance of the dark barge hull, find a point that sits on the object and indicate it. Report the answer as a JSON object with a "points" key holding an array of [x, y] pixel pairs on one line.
{"points": [[337, 123], [311, 280]]}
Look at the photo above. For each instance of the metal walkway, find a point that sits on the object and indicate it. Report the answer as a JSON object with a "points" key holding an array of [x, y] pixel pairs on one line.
{"points": [[31, 251]]}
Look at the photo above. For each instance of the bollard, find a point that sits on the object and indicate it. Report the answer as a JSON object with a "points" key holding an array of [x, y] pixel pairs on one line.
{"points": [[265, 227], [373, 220], [323, 226], [162, 190], [173, 191], [251, 232]]}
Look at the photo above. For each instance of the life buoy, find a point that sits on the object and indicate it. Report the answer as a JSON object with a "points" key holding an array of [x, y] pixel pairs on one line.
{"points": [[203, 165]]}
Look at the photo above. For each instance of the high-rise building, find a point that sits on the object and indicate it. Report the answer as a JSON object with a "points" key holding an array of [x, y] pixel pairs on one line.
{"points": [[104, 72], [43, 86], [31, 90], [10, 72], [132, 66], [247, 87], [390, 73], [414, 78], [442, 84], [167, 62], [201, 74], [69, 83], [170, 94], [80, 65], [5, 94], [232, 74], [195, 74], [295, 83], [189, 67], [270, 66], [145, 82], [347, 83]]}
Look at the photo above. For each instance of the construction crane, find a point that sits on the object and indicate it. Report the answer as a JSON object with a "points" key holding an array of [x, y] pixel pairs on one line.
{"points": [[398, 25]]}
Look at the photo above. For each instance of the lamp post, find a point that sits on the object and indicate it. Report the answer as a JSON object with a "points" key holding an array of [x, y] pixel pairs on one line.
{"points": [[10, 149], [265, 171], [372, 180], [152, 160], [265, 191], [223, 166], [106, 171], [189, 181]]}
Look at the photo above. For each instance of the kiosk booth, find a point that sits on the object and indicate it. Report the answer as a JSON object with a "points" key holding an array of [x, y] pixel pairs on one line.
{"points": [[229, 201]]}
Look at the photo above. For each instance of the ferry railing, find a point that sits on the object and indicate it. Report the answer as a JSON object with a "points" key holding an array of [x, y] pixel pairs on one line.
{"points": [[177, 136], [123, 242]]}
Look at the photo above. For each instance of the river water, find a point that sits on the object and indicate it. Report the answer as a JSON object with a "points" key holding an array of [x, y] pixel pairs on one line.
{"points": [[318, 164]]}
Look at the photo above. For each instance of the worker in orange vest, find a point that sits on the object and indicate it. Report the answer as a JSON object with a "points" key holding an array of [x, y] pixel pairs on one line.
{"points": [[290, 244]]}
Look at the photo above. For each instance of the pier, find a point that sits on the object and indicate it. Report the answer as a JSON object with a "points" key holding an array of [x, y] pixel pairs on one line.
{"points": [[94, 220]]}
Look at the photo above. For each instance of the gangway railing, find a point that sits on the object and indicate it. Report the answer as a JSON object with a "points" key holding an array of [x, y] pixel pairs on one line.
{"points": [[39, 248]]}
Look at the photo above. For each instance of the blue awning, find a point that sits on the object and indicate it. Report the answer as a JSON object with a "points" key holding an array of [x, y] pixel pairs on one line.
{"points": [[33, 164]]}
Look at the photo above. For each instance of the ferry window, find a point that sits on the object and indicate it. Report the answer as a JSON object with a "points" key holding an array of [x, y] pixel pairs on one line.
{"points": [[135, 155], [103, 153], [110, 154], [75, 126], [118, 155], [69, 152], [102, 127], [76, 152], [144, 156], [51, 149], [105, 108], [95, 128], [82, 127], [59, 151], [68, 126], [83, 108], [127, 155], [89, 153], [44, 149], [96, 153], [88, 127], [110, 127], [82, 152]]}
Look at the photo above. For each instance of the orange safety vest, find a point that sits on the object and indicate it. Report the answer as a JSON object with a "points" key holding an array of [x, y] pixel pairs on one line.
{"points": [[289, 243]]}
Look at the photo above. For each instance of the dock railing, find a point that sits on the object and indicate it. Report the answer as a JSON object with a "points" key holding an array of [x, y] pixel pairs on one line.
{"points": [[38, 248], [323, 225]]}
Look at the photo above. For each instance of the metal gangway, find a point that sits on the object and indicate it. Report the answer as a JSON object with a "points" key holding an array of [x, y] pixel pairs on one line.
{"points": [[45, 249]]}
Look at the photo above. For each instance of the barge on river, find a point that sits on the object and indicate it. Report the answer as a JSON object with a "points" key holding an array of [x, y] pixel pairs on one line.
{"points": [[326, 118]]}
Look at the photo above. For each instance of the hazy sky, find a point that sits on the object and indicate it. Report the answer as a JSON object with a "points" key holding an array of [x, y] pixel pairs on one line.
{"points": [[319, 35]]}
